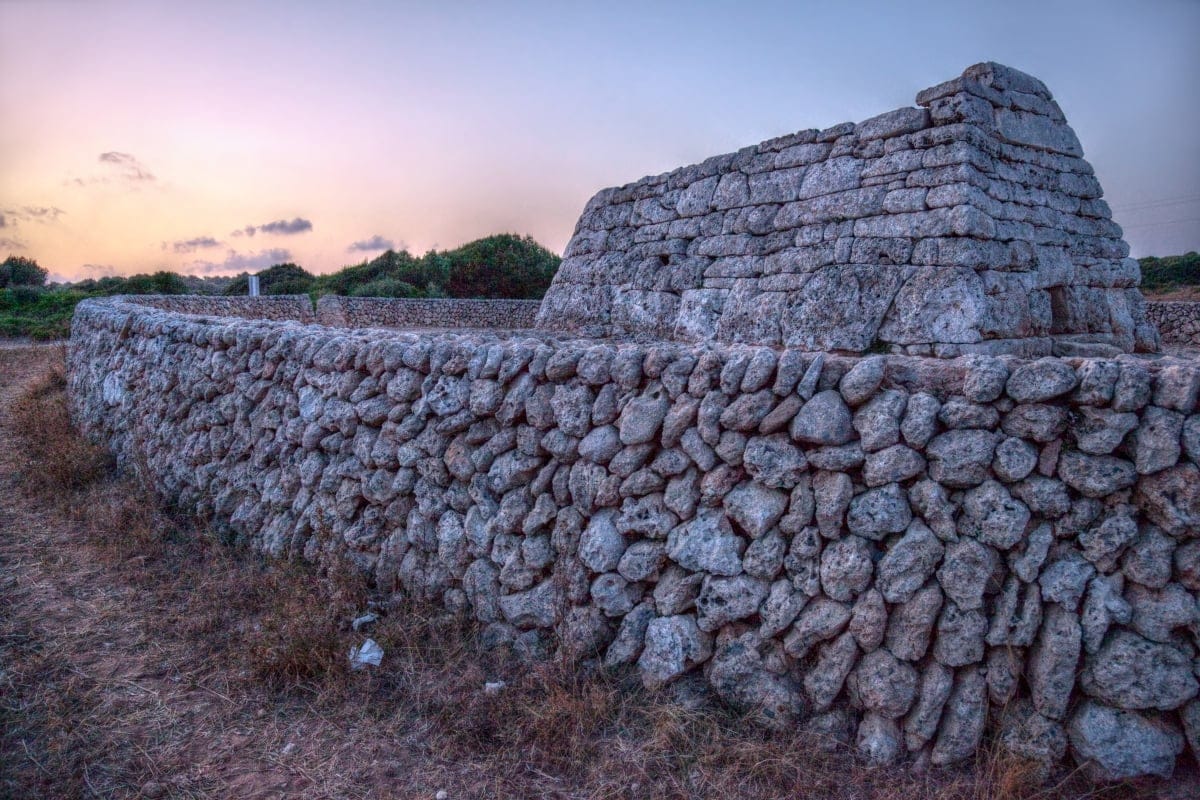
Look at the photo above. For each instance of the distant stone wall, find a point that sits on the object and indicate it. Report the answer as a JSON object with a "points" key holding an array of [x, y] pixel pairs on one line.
{"points": [[292, 306], [899, 552], [969, 224], [387, 312], [1178, 322]]}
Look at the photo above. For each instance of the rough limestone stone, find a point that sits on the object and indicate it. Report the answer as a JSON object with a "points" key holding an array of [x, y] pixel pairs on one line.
{"points": [[878, 421], [878, 739], [707, 544], [672, 646], [879, 512], [1116, 745], [884, 685], [963, 718], [725, 600], [860, 383], [961, 458], [965, 572], [908, 563], [1095, 476], [910, 625], [835, 659], [1052, 662], [1027, 734], [993, 516], [1014, 460], [1156, 443], [1041, 380], [1171, 499], [846, 568], [820, 620], [1132, 672], [868, 620], [774, 461], [823, 420], [601, 545], [921, 724], [755, 508]]}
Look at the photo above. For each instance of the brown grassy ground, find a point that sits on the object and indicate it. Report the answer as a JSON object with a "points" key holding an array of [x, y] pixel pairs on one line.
{"points": [[139, 657]]}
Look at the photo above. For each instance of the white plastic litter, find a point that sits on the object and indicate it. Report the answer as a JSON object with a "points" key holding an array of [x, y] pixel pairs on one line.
{"points": [[369, 653], [493, 687], [366, 619]]}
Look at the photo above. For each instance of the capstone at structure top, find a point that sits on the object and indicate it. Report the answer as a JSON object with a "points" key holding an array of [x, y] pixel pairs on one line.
{"points": [[971, 223]]}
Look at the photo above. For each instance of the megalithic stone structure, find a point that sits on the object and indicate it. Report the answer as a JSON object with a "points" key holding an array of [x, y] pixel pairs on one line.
{"points": [[971, 223]]}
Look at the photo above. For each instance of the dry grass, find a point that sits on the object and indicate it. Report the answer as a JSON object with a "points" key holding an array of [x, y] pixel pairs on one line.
{"points": [[142, 657]]}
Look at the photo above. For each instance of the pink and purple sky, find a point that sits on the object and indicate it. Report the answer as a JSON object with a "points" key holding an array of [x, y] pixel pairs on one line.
{"points": [[217, 137]]}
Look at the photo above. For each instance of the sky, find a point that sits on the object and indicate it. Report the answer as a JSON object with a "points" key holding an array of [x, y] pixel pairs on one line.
{"points": [[217, 137]]}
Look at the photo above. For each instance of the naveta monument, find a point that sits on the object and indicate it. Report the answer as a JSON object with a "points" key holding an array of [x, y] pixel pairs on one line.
{"points": [[971, 224]]}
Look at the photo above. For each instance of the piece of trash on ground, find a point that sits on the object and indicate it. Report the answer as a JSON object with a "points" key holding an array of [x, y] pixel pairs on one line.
{"points": [[369, 653]]}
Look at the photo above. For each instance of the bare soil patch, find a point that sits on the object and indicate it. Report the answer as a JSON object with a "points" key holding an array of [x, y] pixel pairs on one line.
{"points": [[140, 656]]}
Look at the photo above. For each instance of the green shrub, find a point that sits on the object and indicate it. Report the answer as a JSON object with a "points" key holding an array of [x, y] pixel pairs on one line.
{"points": [[21, 271], [1170, 272]]}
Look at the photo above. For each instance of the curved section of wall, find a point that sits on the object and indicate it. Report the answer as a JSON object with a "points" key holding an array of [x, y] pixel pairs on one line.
{"points": [[1178, 322], [906, 552], [383, 312]]}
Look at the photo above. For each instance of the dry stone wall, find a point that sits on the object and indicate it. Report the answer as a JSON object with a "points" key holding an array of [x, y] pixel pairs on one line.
{"points": [[900, 552], [1178, 322], [292, 306], [379, 312], [971, 223]]}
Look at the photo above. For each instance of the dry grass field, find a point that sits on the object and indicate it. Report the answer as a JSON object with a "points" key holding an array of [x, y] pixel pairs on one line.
{"points": [[142, 657]]}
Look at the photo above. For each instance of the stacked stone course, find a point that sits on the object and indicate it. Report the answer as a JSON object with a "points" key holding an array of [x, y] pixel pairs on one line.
{"points": [[379, 312], [969, 224], [902, 552], [1178, 322]]}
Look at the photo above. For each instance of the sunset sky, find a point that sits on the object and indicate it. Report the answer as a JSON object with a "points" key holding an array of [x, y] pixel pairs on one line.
{"points": [[215, 137]]}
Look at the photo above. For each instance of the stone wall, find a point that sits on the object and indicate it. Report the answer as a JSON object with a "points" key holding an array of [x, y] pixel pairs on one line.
{"points": [[280, 307], [381, 312], [969, 224], [902, 552], [1178, 322]]}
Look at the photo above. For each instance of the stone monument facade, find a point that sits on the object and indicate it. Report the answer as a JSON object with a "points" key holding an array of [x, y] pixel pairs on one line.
{"points": [[971, 223]]}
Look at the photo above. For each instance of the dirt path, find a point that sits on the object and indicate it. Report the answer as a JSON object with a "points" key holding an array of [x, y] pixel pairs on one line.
{"points": [[97, 703]]}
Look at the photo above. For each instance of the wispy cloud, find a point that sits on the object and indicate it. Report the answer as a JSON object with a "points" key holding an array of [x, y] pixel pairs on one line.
{"points": [[123, 168], [280, 227], [9, 217], [127, 166], [191, 245], [376, 242], [11, 243], [98, 270], [241, 262]]}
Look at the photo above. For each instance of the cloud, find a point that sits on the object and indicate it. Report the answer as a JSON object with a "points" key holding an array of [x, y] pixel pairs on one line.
{"points": [[128, 166], [98, 270], [192, 245], [9, 243], [242, 262], [29, 214], [376, 242], [281, 227]]}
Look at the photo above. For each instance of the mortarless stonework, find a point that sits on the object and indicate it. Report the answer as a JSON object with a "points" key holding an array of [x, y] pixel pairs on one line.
{"points": [[908, 551], [1178, 321], [969, 224], [378, 312]]}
